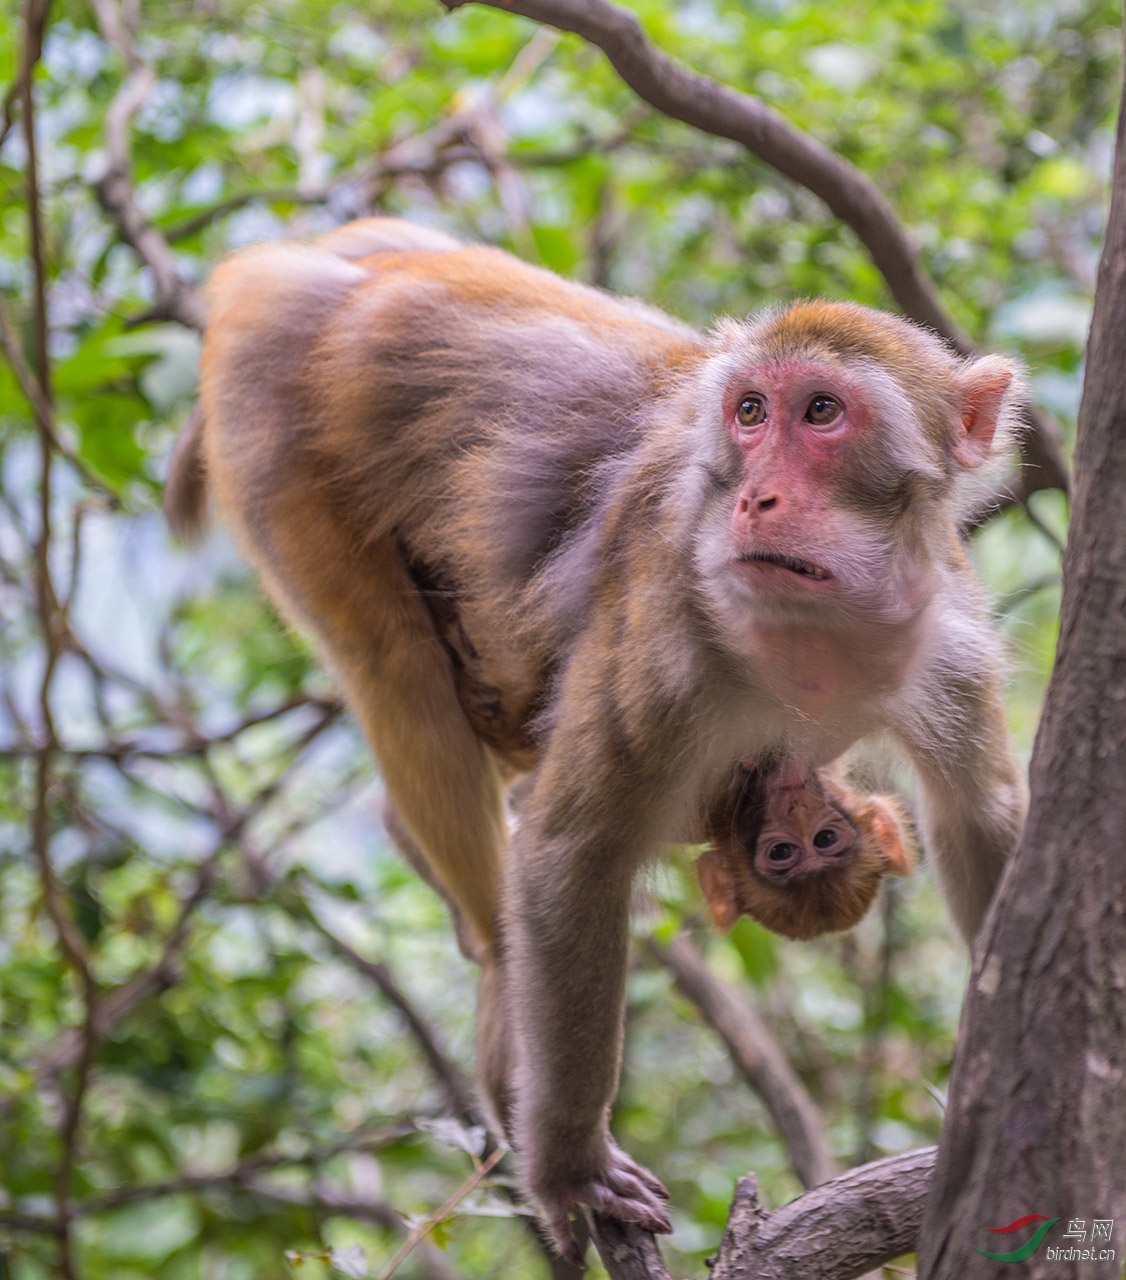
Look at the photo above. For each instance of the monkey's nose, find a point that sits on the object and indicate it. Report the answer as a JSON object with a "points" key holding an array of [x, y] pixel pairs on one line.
{"points": [[753, 505]]}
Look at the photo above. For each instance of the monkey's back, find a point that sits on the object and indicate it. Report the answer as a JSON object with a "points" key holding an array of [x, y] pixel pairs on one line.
{"points": [[382, 395]]}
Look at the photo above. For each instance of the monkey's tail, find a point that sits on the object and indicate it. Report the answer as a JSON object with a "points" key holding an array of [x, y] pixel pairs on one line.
{"points": [[185, 490]]}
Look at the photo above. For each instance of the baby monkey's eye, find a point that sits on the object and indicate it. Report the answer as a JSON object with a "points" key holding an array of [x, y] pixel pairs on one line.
{"points": [[825, 839], [783, 851], [823, 410], [751, 411]]}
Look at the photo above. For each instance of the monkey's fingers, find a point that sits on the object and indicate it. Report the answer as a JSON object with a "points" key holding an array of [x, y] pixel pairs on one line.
{"points": [[630, 1201], [619, 1159]]}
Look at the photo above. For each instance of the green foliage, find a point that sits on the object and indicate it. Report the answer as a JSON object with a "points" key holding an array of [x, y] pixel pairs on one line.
{"points": [[259, 1108]]}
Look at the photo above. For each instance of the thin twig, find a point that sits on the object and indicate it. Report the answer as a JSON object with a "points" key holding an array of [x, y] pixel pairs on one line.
{"points": [[50, 619], [458, 1094], [175, 298], [43, 409], [439, 1215], [29, 1222], [252, 1167], [35, 26], [120, 1001], [196, 747], [1044, 529]]}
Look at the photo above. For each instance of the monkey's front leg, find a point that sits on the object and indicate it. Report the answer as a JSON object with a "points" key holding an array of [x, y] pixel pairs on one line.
{"points": [[974, 796], [582, 834]]}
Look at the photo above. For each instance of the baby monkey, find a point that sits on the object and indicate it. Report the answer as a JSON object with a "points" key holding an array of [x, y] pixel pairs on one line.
{"points": [[796, 850]]}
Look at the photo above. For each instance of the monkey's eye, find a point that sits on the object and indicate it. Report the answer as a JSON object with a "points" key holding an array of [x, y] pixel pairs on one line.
{"points": [[751, 411], [825, 839], [823, 410], [782, 852]]}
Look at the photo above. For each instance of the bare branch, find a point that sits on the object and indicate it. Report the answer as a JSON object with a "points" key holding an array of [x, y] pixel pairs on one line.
{"points": [[42, 407], [175, 298], [52, 626], [195, 746], [35, 27], [440, 1214], [245, 1171], [458, 1093], [30, 1222], [120, 1001], [837, 1231], [849, 193], [628, 1252], [757, 1056]]}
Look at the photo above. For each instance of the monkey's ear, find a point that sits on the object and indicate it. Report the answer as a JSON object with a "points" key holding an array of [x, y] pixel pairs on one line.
{"points": [[718, 887], [984, 384], [881, 819]]}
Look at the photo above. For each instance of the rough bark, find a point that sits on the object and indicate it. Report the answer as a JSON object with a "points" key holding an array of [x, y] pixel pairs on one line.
{"points": [[628, 1252], [1037, 1117], [838, 1231]]}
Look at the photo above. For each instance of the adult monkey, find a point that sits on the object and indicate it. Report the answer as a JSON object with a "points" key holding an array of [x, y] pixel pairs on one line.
{"points": [[531, 523]]}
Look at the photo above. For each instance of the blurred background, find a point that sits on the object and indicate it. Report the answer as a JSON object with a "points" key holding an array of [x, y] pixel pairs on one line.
{"points": [[235, 1031]]}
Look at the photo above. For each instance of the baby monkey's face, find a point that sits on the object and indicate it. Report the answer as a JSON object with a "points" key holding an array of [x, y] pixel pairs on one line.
{"points": [[802, 832], [797, 851]]}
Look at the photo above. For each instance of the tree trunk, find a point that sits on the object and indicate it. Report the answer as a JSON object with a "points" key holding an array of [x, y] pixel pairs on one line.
{"points": [[1037, 1117]]}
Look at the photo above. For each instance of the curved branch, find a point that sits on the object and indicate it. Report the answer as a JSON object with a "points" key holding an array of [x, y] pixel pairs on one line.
{"points": [[459, 1096], [849, 193]]}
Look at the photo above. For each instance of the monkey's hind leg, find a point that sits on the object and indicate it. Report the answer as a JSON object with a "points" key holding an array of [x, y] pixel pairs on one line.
{"points": [[378, 636], [494, 1051]]}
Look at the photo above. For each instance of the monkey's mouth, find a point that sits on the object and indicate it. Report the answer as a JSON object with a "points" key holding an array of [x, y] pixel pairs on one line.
{"points": [[794, 564]]}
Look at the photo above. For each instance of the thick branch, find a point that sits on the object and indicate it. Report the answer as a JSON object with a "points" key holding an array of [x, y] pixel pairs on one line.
{"points": [[838, 1231], [849, 193], [628, 1252], [757, 1056]]}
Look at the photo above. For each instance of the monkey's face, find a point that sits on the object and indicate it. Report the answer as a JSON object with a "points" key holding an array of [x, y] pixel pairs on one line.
{"points": [[838, 436], [801, 836], [814, 508]]}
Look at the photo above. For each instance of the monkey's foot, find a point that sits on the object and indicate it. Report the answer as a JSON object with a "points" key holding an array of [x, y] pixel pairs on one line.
{"points": [[623, 1190]]}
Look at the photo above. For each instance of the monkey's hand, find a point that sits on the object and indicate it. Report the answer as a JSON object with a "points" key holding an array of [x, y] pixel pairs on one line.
{"points": [[621, 1189]]}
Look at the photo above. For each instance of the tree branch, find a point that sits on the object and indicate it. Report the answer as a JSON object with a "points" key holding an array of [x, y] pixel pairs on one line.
{"points": [[175, 299], [42, 407], [458, 1094], [757, 1056], [849, 193], [838, 1231], [628, 1252], [1036, 1117]]}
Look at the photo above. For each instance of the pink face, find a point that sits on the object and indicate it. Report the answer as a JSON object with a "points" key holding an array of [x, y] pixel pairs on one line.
{"points": [[797, 423]]}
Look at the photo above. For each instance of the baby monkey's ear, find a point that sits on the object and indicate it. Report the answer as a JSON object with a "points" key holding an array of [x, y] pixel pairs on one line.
{"points": [[884, 827]]}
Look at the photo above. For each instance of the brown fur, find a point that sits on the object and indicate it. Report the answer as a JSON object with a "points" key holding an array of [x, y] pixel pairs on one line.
{"points": [[819, 893], [517, 517]]}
